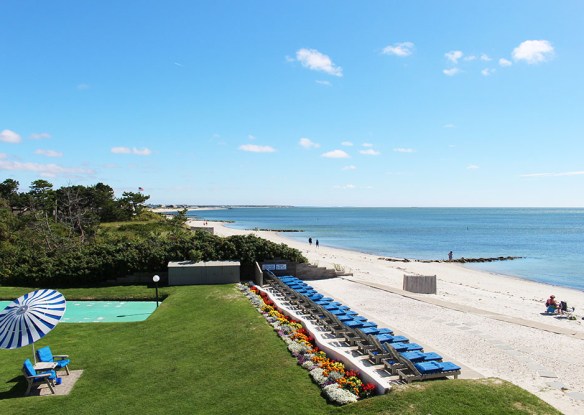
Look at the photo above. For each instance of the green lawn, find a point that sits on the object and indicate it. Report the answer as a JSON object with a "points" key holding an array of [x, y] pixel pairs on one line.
{"points": [[206, 350]]}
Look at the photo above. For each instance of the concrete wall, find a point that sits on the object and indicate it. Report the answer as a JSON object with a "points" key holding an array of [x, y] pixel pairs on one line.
{"points": [[302, 271], [258, 275], [196, 273]]}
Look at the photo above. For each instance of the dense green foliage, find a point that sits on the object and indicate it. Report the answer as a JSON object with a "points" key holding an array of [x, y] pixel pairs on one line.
{"points": [[206, 350], [68, 237]]}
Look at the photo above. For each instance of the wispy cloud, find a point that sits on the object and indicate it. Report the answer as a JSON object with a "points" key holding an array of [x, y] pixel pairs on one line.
{"points": [[45, 170], [533, 51], [136, 151], [561, 174], [485, 58], [308, 143], [367, 145], [49, 153], [347, 144], [402, 49], [404, 150], [40, 136], [83, 87], [345, 186], [449, 125], [472, 167], [454, 55], [350, 167], [505, 62], [251, 137], [325, 83], [336, 154], [253, 148], [451, 71], [9, 136], [370, 152], [316, 61], [488, 71]]}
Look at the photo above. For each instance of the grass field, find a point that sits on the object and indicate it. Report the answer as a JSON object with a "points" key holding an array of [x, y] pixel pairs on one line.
{"points": [[206, 350]]}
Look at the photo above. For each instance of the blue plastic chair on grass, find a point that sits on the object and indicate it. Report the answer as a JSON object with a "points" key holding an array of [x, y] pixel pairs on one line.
{"points": [[33, 377], [45, 355]]}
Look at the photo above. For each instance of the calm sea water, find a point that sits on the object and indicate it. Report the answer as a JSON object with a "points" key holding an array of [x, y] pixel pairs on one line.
{"points": [[550, 240]]}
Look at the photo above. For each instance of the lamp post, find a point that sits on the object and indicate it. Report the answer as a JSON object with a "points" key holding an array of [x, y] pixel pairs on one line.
{"points": [[156, 278]]}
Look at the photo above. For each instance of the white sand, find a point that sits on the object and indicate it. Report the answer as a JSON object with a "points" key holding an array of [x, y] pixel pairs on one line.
{"points": [[490, 324]]}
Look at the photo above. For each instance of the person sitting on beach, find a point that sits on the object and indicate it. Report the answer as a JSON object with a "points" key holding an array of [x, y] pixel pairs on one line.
{"points": [[551, 304]]}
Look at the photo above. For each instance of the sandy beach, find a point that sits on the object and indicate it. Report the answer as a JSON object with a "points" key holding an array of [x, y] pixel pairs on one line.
{"points": [[491, 325]]}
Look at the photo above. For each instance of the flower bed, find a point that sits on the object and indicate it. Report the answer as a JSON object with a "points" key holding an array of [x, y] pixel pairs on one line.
{"points": [[339, 385]]}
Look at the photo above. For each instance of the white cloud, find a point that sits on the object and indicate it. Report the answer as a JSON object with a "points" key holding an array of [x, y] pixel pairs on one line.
{"points": [[404, 150], [3, 155], [533, 51], [488, 71], [350, 167], [134, 150], [40, 136], [454, 55], [561, 174], [505, 62], [399, 49], [345, 186], [472, 167], [325, 83], [45, 170], [469, 58], [83, 87], [451, 71], [347, 144], [485, 58], [450, 125], [316, 61], [49, 153], [370, 152], [367, 145], [9, 136], [251, 137], [308, 143], [336, 154], [252, 148]]}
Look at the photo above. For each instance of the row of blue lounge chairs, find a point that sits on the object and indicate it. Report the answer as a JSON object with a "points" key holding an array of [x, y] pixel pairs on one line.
{"points": [[399, 356], [46, 371]]}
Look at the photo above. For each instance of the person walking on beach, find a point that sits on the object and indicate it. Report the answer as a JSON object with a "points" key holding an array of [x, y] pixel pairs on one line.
{"points": [[317, 243], [310, 241], [450, 256]]}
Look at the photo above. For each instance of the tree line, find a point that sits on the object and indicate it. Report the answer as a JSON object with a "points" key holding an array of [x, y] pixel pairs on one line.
{"points": [[83, 235]]}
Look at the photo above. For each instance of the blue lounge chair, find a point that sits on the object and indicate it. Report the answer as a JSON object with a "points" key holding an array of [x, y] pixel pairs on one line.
{"points": [[62, 361], [389, 338], [416, 356], [404, 347], [427, 370], [33, 377]]}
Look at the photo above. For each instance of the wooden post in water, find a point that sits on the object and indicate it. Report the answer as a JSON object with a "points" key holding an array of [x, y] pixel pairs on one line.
{"points": [[421, 284]]}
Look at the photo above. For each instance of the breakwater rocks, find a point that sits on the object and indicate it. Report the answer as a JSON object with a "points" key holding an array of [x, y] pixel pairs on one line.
{"points": [[459, 260]]}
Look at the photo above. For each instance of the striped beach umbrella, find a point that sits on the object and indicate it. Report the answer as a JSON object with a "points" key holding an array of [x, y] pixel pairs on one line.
{"points": [[28, 318]]}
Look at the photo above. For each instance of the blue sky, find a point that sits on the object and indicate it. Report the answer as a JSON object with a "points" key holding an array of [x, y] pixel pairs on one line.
{"points": [[322, 103]]}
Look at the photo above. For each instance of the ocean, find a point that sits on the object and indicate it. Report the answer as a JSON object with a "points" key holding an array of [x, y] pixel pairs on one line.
{"points": [[550, 241]]}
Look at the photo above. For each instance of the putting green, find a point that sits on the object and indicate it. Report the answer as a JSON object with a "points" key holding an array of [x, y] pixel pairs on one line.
{"points": [[104, 311]]}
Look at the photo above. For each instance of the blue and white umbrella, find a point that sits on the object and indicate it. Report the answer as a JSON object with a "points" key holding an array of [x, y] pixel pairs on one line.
{"points": [[28, 318]]}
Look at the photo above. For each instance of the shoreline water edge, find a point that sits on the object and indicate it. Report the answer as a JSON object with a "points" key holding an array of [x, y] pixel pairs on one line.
{"points": [[492, 325]]}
